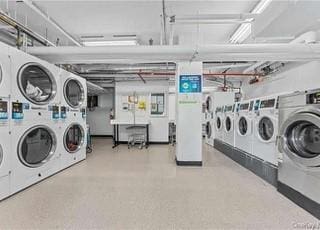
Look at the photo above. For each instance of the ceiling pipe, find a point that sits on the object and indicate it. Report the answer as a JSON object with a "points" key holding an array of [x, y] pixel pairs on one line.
{"points": [[21, 28], [36, 9]]}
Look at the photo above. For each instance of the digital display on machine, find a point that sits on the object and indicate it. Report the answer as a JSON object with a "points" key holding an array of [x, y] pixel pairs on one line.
{"points": [[63, 112], [17, 111], [244, 106], [219, 109], [256, 105], [3, 110], [251, 105], [313, 98], [267, 103], [228, 108], [55, 112]]}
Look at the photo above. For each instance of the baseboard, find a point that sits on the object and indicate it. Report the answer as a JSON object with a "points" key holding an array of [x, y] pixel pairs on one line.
{"points": [[263, 169], [105, 136], [188, 163], [151, 142], [304, 202]]}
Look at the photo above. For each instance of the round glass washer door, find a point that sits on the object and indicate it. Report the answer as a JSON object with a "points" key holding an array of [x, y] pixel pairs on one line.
{"points": [[300, 139], [208, 130], [244, 126], [36, 83], [1, 78], [266, 128], [36, 146], [209, 104], [218, 123], [74, 138], [74, 93], [228, 124]]}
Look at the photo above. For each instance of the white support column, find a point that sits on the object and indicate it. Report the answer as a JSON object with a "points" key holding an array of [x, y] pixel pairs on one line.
{"points": [[189, 84]]}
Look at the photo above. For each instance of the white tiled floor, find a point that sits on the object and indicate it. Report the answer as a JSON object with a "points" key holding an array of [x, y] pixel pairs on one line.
{"points": [[144, 189]]}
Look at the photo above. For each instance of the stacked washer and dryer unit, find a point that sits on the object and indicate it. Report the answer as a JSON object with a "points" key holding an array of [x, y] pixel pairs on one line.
{"points": [[5, 140], [209, 121], [31, 147]]}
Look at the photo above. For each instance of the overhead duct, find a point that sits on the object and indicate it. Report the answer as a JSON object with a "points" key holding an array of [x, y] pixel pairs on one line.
{"points": [[229, 52]]}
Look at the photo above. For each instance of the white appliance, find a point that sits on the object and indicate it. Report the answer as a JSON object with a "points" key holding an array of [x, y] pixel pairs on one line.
{"points": [[209, 133], [5, 76], [73, 119], [266, 129], [228, 127], [243, 126], [34, 153], [5, 148], [299, 145], [218, 123], [35, 84]]}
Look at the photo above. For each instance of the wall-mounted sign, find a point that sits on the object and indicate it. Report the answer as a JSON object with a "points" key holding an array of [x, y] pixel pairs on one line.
{"points": [[190, 84]]}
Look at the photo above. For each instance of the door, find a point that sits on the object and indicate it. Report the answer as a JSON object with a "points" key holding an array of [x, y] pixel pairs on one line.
{"points": [[74, 138], [266, 129], [208, 130], [300, 138], [218, 123], [244, 126], [36, 83], [229, 124], [36, 146], [74, 93]]}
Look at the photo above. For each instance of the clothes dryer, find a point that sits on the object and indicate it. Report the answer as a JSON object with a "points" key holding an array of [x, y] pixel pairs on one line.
{"points": [[243, 127], [219, 123], [35, 85], [299, 143], [209, 133], [34, 155], [5, 148], [228, 130], [266, 129]]}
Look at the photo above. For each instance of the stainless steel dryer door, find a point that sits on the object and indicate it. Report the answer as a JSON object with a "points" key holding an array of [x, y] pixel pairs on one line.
{"points": [[300, 138], [208, 130], [74, 93]]}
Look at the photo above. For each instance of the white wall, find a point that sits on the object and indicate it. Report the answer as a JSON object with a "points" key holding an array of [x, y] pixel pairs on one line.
{"points": [[299, 77], [99, 118], [158, 124]]}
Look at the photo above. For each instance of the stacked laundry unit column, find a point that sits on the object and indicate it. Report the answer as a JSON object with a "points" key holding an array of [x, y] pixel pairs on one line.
{"points": [[73, 119], [5, 142], [35, 99]]}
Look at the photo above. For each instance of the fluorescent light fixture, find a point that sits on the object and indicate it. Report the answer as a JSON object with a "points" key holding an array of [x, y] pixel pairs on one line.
{"points": [[111, 43], [243, 31]]}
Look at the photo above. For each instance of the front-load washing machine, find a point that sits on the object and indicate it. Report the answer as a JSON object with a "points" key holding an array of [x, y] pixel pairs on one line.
{"points": [[243, 127], [73, 143], [34, 155], [209, 133], [5, 76], [35, 85], [218, 123], [228, 130], [5, 148], [299, 145], [266, 129]]}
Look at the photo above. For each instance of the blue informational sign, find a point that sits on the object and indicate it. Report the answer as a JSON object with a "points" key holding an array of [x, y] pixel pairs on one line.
{"points": [[190, 84]]}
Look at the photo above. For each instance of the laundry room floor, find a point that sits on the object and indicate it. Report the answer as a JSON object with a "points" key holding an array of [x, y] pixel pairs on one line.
{"points": [[144, 189]]}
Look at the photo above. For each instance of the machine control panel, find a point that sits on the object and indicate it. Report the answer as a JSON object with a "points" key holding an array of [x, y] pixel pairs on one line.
{"points": [[55, 112], [3, 110], [313, 98], [63, 112], [251, 105], [268, 103], [228, 108], [244, 106], [17, 110], [84, 113], [219, 109]]}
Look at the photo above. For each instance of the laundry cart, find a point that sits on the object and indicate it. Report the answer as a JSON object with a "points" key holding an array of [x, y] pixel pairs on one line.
{"points": [[137, 136]]}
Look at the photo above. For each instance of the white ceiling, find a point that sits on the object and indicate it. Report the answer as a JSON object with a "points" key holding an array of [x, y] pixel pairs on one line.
{"points": [[130, 17]]}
